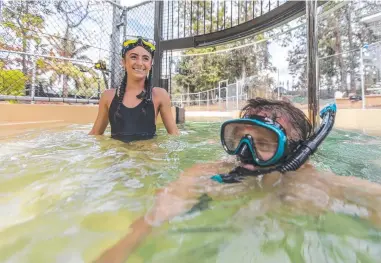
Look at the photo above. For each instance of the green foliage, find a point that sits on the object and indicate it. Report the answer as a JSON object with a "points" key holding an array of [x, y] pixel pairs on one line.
{"points": [[203, 72], [12, 82], [340, 34]]}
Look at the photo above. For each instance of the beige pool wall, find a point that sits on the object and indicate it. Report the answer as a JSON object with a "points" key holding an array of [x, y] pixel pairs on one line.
{"points": [[17, 117]]}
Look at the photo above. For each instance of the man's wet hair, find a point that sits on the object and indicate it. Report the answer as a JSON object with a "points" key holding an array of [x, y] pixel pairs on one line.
{"points": [[276, 109]]}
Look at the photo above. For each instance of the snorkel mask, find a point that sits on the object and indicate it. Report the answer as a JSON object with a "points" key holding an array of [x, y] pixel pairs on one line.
{"points": [[255, 140], [134, 41], [263, 142]]}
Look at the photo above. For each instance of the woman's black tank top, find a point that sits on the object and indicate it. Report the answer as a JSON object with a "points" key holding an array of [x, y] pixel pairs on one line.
{"points": [[136, 123]]}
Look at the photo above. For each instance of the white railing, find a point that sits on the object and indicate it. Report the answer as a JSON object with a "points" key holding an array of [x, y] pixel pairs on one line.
{"points": [[231, 97]]}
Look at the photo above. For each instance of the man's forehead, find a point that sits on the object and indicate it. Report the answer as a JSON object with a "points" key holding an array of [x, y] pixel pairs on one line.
{"points": [[278, 117]]}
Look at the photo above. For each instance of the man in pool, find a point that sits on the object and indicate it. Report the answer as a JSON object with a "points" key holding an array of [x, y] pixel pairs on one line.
{"points": [[272, 141]]}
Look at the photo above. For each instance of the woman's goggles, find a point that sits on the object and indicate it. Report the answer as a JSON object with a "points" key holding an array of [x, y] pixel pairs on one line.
{"points": [[133, 42], [256, 140]]}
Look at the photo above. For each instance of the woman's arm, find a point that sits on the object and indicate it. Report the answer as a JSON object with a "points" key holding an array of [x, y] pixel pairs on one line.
{"points": [[101, 122], [166, 112]]}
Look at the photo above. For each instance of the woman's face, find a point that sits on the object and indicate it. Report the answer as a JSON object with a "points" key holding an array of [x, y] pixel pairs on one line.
{"points": [[137, 62]]}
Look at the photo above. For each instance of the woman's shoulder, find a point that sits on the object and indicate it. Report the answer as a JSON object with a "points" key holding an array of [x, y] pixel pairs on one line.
{"points": [[159, 92], [107, 96], [109, 92]]}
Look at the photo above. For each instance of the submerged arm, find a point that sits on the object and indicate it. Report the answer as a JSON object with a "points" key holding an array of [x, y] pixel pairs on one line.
{"points": [[173, 200]]}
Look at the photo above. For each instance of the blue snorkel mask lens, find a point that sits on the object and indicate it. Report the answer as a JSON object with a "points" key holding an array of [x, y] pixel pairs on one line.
{"points": [[255, 140]]}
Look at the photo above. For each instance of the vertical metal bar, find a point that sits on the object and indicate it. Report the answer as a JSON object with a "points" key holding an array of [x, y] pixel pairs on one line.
{"points": [[269, 5], [312, 54], [178, 19], [167, 20], [166, 69], [224, 14], [231, 13], [191, 18], [218, 9], [158, 32], [261, 7], [253, 4], [207, 99], [245, 11], [33, 88], [170, 75], [277, 3], [197, 16], [226, 97], [236, 94], [211, 17], [239, 12], [185, 17], [114, 56], [172, 20], [125, 12], [204, 17], [362, 77]]}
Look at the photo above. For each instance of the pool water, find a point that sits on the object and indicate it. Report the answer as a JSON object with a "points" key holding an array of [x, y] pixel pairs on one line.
{"points": [[66, 197]]}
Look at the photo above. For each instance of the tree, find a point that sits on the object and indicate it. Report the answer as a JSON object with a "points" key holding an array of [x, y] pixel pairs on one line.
{"points": [[25, 20], [202, 72], [67, 47], [12, 82]]}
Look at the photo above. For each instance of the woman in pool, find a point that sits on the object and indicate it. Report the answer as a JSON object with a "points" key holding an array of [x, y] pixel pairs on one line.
{"points": [[132, 109], [272, 141]]}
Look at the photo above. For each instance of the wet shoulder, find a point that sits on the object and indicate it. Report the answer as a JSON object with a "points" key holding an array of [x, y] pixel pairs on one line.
{"points": [[159, 94], [109, 96]]}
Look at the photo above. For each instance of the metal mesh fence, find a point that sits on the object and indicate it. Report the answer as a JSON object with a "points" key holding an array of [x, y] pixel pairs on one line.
{"points": [[349, 63], [66, 49], [49, 48]]}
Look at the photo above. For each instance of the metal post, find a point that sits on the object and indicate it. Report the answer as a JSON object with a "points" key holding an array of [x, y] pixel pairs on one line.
{"points": [[115, 46], [226, 97], [312, 54], [207, 100], [33, 88], [125, 12], [219, 90], [236, 94], [362, 77], [159, 9], [278, 86]]}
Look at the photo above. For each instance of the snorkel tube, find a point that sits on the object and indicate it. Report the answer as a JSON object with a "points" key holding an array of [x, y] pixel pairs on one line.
{"points": [[301, 155], [297, 159]]}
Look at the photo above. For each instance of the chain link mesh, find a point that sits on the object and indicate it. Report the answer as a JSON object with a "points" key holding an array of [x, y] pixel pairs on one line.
{"points": [[140, 22], [50, 48], [66, 48]]}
